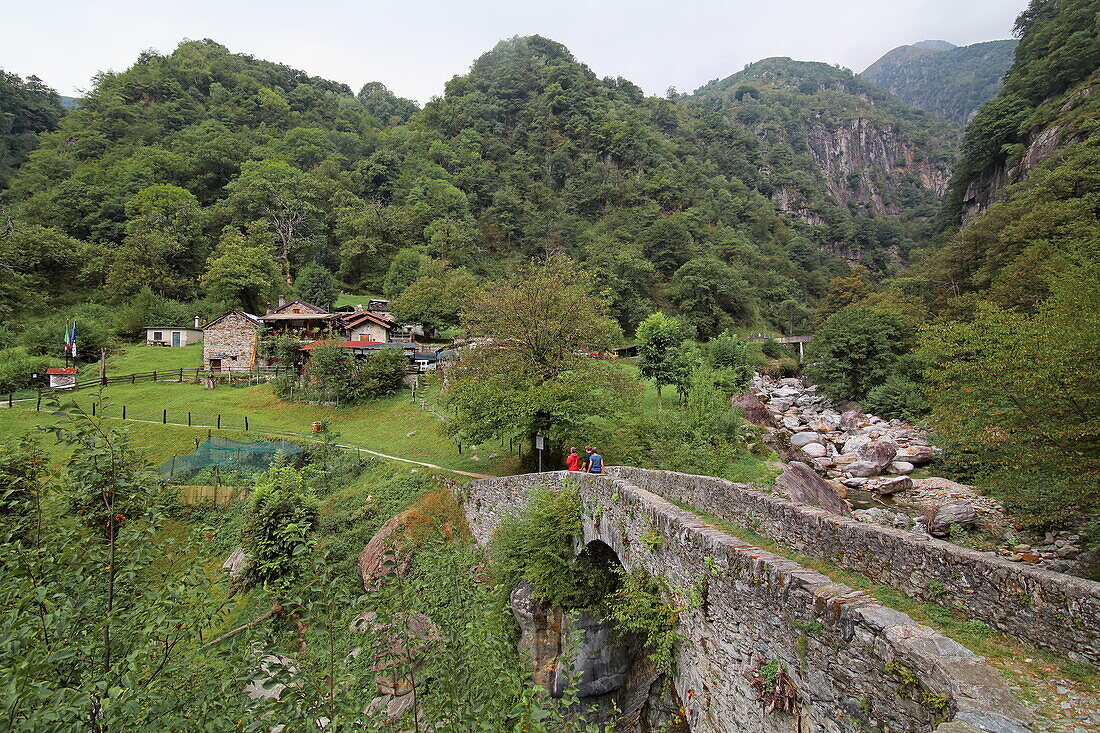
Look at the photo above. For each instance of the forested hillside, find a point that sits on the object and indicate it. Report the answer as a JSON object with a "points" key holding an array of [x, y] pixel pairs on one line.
{"points": [[948, 81], [864, 171], [26, 109], [205, 155], [997, 321]]}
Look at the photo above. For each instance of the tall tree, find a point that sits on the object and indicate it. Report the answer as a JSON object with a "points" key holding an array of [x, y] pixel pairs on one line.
{"points": [[528, 366], [316, 285], [287, 200], [241, 271], [659, 338]]}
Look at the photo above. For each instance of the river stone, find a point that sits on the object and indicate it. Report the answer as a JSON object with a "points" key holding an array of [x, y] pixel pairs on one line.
{"points": [[949, 514], [780, 405], [894, 485], [850, 419], [862, 469], [854, 443], [815, 450], [900, 468], [918, 455], [800, 439], [804, 486], [755, 412], [791, 422], [879, 452], [235, 563]]}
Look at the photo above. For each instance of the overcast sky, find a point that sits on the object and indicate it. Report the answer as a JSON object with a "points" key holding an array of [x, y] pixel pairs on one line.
{"points": [[414, 46]]}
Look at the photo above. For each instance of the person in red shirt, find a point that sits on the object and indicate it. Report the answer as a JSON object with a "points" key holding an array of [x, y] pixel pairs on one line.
{"points": [[573, 461]]}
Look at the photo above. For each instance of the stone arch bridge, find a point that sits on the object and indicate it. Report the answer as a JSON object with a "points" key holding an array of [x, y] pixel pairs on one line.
{"points": [[855, 664]]}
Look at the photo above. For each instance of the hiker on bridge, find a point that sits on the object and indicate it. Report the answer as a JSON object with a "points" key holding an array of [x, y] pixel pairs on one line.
{"points": [[573, 461]]}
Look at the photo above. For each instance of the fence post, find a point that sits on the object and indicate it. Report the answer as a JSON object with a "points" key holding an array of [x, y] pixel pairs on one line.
{"points": [[154, 375], [189, 418], [246, 423], [93, 409], [181, 374], [219, 421], [38, 404], [124, 412], [133, 378], [164, 417]]}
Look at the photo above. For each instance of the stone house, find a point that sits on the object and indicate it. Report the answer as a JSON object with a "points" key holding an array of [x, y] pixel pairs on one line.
{"points": [[367, 326], [230, 342], [299, 319]]}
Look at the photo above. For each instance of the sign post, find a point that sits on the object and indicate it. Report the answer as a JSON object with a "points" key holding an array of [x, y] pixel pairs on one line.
{"points": [[540, 446]]}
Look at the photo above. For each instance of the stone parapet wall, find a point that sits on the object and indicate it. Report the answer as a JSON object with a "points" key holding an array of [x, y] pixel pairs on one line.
{"points": [[1048, 609], [856, 664]]}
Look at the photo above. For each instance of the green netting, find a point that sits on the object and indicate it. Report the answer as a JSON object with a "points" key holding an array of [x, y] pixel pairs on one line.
{"points": [[228, 456]]}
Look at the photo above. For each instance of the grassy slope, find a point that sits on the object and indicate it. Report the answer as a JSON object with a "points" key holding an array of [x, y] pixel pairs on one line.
{"points": [[382, 425]]}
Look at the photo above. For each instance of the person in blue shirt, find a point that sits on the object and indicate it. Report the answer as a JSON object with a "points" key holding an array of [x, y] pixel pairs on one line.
{"points": [[595, 462]]}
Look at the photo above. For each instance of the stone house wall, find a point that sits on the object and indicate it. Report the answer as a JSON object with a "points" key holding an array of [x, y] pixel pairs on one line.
{"points": [[1045, 608], [368, 331], [856, 664], [233, 339]]}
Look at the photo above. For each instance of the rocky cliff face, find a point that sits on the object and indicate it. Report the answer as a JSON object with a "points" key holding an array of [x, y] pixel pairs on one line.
{"points": [[987, 187], [838, 153], [863, 160]]}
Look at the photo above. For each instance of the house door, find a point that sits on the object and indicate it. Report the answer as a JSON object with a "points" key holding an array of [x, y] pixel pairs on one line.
{"points": [[175, 338], [215, 365]]}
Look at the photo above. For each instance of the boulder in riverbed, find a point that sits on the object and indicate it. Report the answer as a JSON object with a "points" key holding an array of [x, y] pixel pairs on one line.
{"points": [[803, 485]]}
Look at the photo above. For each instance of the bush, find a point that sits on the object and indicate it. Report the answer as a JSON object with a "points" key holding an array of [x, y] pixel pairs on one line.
{"points": [[773, 349], [897, 398], [381, 373], [537, 546], [17, 366], [280, 515], [855, 350]]}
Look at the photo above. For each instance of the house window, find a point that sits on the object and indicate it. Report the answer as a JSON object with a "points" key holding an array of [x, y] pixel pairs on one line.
{"points": [[158, 336]]}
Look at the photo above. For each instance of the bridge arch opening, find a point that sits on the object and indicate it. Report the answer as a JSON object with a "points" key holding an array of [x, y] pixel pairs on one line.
{"points": [[598, 572]]}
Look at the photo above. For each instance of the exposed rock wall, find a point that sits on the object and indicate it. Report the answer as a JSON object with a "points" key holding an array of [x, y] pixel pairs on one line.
{"points": [[855, 664], [876, 157]]}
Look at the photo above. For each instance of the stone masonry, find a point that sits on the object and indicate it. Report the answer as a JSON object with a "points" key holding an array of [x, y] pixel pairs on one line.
{"points": [[1048, 609], [856, 665], [231, 338]]}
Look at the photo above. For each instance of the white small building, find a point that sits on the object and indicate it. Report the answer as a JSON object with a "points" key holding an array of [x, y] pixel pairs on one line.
{"points": [[173, 335]]}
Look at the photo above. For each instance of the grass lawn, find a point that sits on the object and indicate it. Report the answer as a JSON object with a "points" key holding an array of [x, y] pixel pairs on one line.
{"points": [[354, 299], [157, 443], [382, 425], [137, 358]]}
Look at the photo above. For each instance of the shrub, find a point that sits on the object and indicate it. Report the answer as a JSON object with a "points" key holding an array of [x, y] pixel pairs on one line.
{"points": [[897, 398], [855, 350], [280, 515], [537, 546], [773, 349]]}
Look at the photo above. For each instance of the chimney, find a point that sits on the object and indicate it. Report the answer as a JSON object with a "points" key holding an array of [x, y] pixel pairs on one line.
{"points": [[282, 300], [196, 323]]}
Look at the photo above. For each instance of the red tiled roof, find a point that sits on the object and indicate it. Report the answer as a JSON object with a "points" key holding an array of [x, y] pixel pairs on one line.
{"points": [[59, 370], [352, 320]]}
